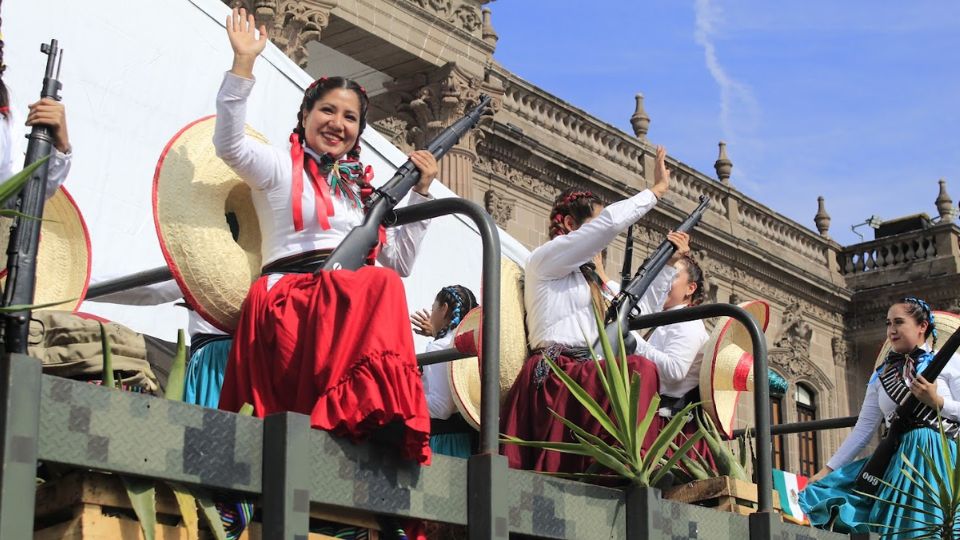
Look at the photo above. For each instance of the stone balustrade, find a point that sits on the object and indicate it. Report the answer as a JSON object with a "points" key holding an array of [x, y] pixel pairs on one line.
{"points": [[899, 251]]}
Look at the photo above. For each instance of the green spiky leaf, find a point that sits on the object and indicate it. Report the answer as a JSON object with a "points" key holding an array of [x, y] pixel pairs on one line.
{"points": [[143, 499], [178, 371], [107, 378]]}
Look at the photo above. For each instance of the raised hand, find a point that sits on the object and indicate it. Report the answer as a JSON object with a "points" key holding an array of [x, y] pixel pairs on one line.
{"points": [[661, 176], [421, 323], [242, 31]]}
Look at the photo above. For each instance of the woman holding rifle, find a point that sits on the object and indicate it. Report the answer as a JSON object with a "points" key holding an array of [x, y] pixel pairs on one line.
{"points": [[562, 289], [830, 500], [333, 345]]}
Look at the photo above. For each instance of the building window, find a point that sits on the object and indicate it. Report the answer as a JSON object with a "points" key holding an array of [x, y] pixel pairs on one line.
{"points": [[779, 448], [807, 412]]}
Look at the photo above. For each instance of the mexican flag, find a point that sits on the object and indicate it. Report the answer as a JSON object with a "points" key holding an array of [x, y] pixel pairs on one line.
{"points": [[788, 485]]}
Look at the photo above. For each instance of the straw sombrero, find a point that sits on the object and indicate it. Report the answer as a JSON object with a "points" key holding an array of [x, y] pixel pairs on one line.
{"points": [[727, 368], [196, 196], [464, 375], [946, 324], [63, 257]]}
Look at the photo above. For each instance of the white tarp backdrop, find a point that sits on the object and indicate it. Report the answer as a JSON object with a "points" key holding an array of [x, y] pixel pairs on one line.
{"points": [[134, 73]]}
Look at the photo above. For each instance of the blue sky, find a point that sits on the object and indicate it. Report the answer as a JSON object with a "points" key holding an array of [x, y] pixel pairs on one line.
{"points": [[858, 101]]}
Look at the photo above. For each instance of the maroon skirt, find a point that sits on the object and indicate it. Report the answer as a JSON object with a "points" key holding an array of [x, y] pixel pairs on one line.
{"points": [[537, 390]]}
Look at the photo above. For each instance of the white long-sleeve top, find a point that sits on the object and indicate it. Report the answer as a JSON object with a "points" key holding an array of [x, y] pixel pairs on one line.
{"points": [[268, 172], [557, 297], [677, 351], [436, 387], [12, 156], [878, 406]]}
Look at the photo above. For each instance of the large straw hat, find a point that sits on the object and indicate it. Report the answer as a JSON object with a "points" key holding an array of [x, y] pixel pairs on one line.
{"points": [[464, 375], [194, 195], [946, 324], [727, 368], [63, 257]]}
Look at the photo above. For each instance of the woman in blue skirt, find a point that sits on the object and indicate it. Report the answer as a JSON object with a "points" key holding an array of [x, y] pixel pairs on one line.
{"points": [[830, 500]]}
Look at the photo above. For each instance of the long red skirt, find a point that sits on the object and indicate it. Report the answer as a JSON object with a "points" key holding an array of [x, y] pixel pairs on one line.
{"points": [[535, 392], [335, 346]]}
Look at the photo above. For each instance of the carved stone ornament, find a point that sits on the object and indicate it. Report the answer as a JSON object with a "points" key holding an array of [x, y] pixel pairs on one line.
{"points": [[795, 333], [291, 24], [840, 355], [465, 15], [498, 206]]}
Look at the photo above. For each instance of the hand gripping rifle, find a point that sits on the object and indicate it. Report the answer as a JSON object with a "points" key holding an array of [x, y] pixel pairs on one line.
{"points": [[25, 232], [623, 304], [868, 479], [351, 254]]}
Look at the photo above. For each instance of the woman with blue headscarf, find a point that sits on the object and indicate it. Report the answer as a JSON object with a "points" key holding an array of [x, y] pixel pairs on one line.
{"points": [[830, 500]]}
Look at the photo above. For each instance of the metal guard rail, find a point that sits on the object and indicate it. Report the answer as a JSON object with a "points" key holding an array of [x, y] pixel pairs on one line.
{"points": [[761, 393]]}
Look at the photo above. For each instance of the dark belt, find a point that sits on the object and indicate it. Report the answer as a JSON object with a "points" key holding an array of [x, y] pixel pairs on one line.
{"points": [[301, 263], [553, 351], [199, 340]]}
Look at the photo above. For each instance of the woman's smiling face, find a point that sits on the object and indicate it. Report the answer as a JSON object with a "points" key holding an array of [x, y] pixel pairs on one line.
{"points": [[333, 125]]}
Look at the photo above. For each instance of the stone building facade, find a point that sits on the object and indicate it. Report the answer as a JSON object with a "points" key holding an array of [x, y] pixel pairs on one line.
{"points": [[424, 62]]}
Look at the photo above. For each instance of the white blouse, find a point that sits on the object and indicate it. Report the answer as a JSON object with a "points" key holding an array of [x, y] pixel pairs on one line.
{"points": [[435, 384], [268, 171], [877, 406], [677, 351], [557, 297]]}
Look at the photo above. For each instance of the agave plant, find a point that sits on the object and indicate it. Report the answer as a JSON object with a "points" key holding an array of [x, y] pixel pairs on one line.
{"points": [[143, 492], [624, 426], [939, 495]]}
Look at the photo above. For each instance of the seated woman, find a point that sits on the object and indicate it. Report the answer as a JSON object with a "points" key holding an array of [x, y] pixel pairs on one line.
{"points": [[333, 345], [450, 435], [561, 292], [829, 501]]}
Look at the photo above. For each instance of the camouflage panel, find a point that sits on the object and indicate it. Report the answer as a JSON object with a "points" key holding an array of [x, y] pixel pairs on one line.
{"points": [[375, 478], [790, 531], [680, 521], [86, 425], [556, 508]]}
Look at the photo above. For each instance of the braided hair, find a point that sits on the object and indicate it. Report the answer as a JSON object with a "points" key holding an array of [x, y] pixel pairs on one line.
{"points": [[578, 204], [459, 301], [320, 88], [695, 276], [920, 311]]}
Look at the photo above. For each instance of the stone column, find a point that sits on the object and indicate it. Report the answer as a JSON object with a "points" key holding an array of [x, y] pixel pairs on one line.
{"points": [[429, 102], [291, 24]]}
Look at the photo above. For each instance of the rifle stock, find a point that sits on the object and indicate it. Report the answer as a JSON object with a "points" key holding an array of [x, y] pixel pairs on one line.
{"points": [[25, 233], [351, 254], [868, 479], [629, 297]]}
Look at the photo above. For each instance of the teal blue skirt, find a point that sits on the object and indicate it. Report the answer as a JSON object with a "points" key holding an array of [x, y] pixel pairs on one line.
{"points": [[832, 504], [451, 444], [205, 371]]}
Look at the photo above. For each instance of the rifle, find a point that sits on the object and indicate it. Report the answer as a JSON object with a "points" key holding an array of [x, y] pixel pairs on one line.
{"points": [[25, 232], [624, 303], [868, 479], [352, 252], [627, 259]]}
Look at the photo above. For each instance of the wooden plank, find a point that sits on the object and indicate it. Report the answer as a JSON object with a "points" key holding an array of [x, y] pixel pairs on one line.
{"points": [[714, 489], [87, 487]]}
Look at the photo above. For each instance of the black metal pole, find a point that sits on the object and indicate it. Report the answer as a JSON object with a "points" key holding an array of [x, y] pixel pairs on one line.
{"points": [[487, 512], [441, 357], [140, 279], [761, 389], [803, 427]]}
